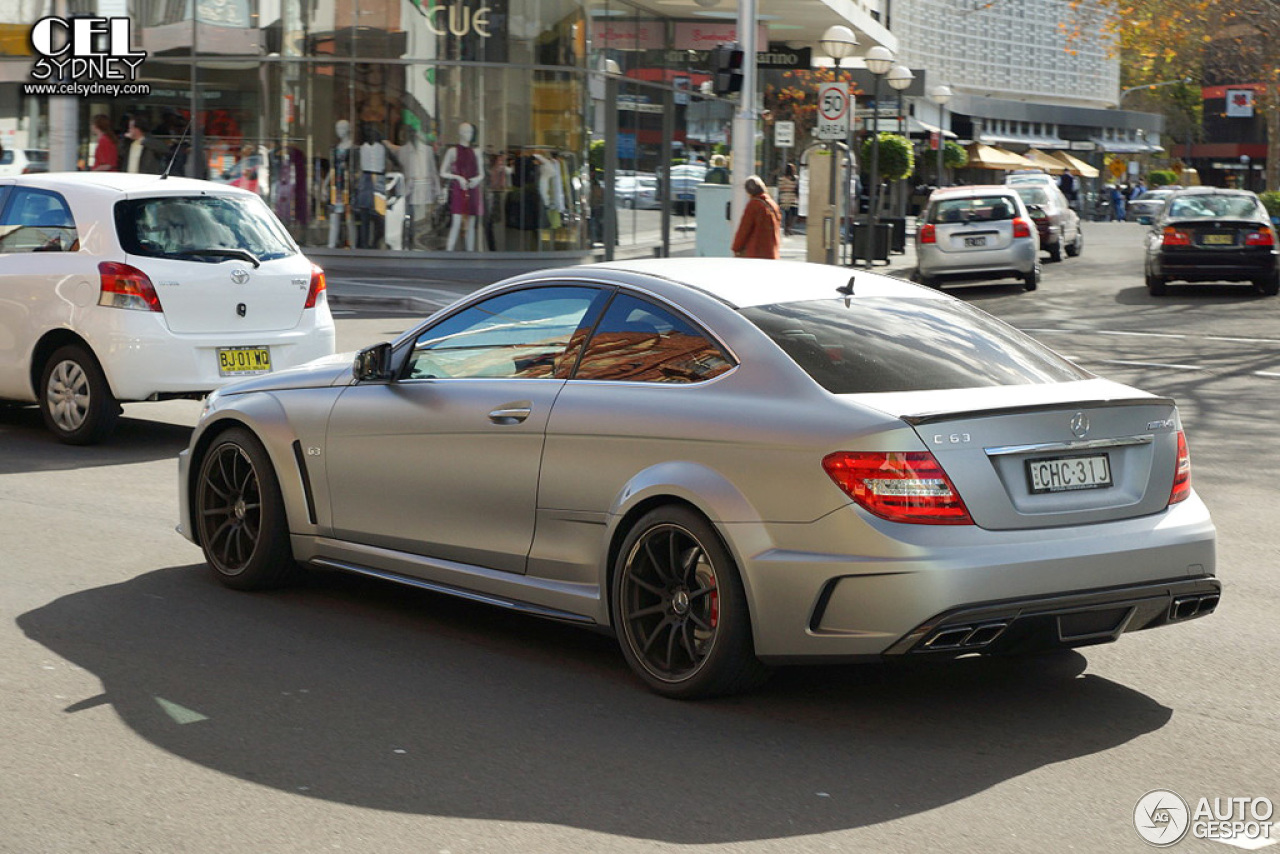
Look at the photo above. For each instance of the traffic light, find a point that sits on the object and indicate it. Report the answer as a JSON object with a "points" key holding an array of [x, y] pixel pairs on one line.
{"points": [[728, 66]]}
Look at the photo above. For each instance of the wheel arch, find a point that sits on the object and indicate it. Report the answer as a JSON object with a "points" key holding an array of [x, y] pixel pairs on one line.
{"points": [[49, 344], [264, 417]]}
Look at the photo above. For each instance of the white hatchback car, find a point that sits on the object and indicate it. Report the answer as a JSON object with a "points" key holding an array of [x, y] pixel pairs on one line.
{"points": [[977, 232], [118, 287]]}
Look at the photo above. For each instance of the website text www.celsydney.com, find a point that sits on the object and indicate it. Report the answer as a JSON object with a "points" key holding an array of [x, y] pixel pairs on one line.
{"points": [[87, 90]]}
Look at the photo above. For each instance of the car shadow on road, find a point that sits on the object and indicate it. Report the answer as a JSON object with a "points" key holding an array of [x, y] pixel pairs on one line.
{"points": [[365, 694], [1193, 295], [27, 446]]}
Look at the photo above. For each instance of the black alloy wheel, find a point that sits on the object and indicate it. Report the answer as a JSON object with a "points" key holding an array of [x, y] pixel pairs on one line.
{"points": [[240, 517], [680, 609]]}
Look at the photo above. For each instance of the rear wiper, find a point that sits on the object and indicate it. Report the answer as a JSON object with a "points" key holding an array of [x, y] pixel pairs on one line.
{"points": [[242, 254]]}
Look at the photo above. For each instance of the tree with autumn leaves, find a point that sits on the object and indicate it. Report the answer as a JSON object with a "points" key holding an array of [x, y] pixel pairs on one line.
{"points": [[795, 99], [1205, 40]]}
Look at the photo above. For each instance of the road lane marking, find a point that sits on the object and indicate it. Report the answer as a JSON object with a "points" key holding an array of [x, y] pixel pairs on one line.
{"points": [[1152, 365]]}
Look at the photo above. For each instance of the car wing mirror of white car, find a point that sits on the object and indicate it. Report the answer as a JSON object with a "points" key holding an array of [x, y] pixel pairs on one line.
{"points": [[373, 364]]}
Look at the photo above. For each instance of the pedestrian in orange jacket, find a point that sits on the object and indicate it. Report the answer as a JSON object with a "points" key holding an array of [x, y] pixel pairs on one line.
{"points": [[760, 232]]}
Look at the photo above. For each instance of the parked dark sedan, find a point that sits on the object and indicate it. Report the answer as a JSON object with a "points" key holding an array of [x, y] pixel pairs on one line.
{"points": [[1204, 234], [1058, 224]]}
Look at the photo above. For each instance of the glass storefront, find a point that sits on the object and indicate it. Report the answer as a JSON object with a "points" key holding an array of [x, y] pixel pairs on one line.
{"points": [[416, 125]]}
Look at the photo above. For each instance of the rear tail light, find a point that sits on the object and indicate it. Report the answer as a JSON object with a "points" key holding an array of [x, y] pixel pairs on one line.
{"points": [[1173, 237], [928, 234], [1261, 237], [1021, 228], [1182, 474], [901, 486], [318, 286], [125, 286]]}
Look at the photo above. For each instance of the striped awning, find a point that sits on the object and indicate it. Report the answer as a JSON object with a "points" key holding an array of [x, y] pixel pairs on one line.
{"points": [[989, 157], [1084, 169]]}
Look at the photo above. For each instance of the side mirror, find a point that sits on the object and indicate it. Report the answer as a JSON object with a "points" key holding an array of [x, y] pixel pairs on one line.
{"points": [[373, 364]]}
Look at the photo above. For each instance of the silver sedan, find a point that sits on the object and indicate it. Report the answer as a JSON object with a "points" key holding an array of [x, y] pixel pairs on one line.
{"points": [[728, 464]]}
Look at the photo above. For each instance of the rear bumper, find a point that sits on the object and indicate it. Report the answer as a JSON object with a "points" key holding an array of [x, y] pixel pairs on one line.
{"points": [[1195, 265], [1016, 260]]}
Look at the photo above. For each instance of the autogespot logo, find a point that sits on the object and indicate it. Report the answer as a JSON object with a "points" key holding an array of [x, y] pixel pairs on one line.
{"points": [[1162, 818]]}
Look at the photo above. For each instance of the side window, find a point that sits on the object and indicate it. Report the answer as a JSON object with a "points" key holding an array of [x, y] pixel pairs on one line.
{"points": [[638, 341], [37, 221], [519, 334]]}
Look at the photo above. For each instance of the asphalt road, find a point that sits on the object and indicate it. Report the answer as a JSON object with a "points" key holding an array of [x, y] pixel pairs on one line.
{"points": [[143, 708]]}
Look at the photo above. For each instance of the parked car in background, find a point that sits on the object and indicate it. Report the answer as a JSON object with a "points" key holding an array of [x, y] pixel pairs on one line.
{"points": [[1204, 234], [637, 190], [977, 232], [894, 473], [1057, 223], [121, 287], [1030, 177], [1145, 208], [685, 179], [23, 161]]}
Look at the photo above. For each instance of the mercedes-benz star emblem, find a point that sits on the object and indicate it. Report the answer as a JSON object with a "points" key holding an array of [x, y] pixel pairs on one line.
{"points": [[1079, 425], [240, 277]]}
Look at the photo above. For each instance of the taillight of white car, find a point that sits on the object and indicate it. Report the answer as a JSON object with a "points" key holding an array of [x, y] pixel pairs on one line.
{"points": [[1182, 474], [318, 286], [125, 286], [901, 486]]}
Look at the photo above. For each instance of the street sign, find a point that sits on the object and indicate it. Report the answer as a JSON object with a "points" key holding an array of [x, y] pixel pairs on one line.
{"points": [[833, 111], [784, 134]]}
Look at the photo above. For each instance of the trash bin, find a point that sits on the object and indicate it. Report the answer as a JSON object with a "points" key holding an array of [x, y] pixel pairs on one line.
{"points": [[898, 238], [864, 248]]}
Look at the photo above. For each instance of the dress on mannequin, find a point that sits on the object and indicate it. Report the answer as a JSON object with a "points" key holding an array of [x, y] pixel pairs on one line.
{"points": [[371, 199], [461, 169], [418, 162], [340, 183]]}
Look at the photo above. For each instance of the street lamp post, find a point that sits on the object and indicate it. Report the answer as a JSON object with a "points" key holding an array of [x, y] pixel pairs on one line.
{"points": [[838, 43], [940, 95], [878, 60]]}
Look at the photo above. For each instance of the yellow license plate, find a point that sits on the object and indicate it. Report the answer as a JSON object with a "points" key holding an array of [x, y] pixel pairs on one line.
{"points": [[244, 361], [1219, 239]]}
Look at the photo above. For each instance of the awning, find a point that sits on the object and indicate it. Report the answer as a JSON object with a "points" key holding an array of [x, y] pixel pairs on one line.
{"points": [[1046, 161], [987, 157], [1084, 169], [1117, 146], [1035, 140], [914, 125]]}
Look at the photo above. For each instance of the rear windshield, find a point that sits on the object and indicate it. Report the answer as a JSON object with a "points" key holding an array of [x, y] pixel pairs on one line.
{"points": [[201, 228], [879, 344], [1033, 195], [977, 209], [1210, 206]]}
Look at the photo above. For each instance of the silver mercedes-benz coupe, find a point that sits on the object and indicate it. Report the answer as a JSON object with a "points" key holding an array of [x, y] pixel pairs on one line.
{"points": [[728, 464]]}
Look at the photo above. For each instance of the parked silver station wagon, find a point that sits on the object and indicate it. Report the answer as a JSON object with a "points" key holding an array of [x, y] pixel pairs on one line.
{"points": [[728, 464]]}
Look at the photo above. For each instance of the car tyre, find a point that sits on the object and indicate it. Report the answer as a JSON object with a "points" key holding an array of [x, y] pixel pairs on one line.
{"points": [[1156, 285], [680, 609], [1075, 247], [1031, 280], [75, 399], [1055, 251], [1269, 286], [240, 516], [921, 279]]}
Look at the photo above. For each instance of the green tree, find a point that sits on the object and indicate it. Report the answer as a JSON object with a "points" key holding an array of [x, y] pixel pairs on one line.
{"points": [[897, 159]]}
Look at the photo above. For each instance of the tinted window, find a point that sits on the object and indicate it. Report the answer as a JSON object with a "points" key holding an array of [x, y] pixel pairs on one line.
{"points": [[883, 345], [977, 209], [37, 221], [201, 228], [1033, 195], [517, 334], [638, 341], [1208, 206]]}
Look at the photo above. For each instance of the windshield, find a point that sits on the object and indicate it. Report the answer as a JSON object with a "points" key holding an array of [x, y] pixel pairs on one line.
{"points": [[1210, 206], [202, 228], [882, 344]]}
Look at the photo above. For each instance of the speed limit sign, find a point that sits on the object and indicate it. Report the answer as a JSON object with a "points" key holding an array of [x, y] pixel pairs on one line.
{"points": [[834, 107]]}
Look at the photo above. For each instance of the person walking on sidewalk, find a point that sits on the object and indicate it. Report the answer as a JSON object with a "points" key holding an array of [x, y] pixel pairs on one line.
{"points": [[789, 197], [760, 232]]}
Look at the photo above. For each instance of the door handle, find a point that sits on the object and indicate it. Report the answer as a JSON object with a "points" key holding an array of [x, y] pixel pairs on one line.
{"points": [[512, 413]]}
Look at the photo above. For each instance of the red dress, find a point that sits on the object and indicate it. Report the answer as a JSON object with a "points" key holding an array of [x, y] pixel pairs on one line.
{"points": [[106, 155], [760, 232], [465, 200]]}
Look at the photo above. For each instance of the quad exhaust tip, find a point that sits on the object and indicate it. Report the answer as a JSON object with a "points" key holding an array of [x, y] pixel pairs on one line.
{"points": [[1186, 607], [964, 637]]}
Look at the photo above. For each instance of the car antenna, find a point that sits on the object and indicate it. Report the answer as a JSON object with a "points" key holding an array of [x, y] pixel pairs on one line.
{"points": [[847, 289], [177, 148]]}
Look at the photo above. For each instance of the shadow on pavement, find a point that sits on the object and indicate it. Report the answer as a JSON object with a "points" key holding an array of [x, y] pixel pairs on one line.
{"points": [[360, 693], [27, 446]]}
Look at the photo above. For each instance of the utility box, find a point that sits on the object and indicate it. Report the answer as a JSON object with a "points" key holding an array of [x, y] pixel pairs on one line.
{"points": [[715, 220]]}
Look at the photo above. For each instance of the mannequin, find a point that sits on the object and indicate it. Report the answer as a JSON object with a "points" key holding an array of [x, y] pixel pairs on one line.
{"points": [[371, 191], [339, 182], [460, 169], [418, 162]]}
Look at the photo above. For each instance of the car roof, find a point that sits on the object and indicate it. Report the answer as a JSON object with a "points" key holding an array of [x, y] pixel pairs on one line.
{"points": [[969, 190], [124, 183], [1213, 191], [746, 282]]}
